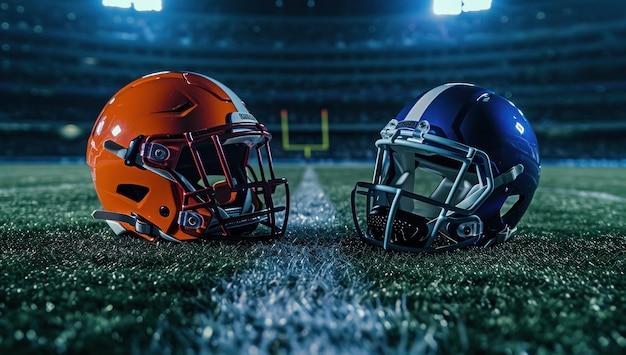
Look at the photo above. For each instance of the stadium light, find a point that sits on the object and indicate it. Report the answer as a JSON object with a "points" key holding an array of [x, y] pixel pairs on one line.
{"points": [[117, 3], [447, 7], [140, 5], [455, 7], [476, 5]]}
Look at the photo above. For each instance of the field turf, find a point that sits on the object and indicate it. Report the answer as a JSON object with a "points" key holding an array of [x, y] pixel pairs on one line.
{"points": [[69, 285]]}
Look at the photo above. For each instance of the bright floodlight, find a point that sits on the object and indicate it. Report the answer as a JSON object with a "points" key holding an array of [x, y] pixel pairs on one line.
{"points": [[117, 3], [140, 5], [447, 7], [455, 7], [476, 5]]}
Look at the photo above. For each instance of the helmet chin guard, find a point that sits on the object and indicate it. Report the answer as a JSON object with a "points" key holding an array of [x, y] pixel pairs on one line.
{"points": [[393, 228], [406, 228]]}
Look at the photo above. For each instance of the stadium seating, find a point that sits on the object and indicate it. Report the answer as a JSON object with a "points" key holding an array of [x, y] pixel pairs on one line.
{"points": [[564, 65]]}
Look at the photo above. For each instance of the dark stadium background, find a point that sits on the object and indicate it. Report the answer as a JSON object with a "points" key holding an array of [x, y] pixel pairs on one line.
{"points": [[562, 62]]}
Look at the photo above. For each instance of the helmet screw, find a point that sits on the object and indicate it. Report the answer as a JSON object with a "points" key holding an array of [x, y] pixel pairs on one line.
{"points": [[164, 211], [424, 127]]}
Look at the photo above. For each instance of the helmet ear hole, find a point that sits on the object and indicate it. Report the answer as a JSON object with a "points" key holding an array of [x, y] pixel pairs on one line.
{"points": [[132, 191], [508, 204]]}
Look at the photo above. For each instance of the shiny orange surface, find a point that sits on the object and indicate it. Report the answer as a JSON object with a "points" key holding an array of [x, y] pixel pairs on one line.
{"points": [[161, 103]]}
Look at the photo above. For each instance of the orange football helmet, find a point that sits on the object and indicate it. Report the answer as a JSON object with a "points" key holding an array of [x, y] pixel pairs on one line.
{"points": [[177, 156]]}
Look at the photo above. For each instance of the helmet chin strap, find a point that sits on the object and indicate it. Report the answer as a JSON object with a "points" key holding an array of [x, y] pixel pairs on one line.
{"points": [[142, 226]]}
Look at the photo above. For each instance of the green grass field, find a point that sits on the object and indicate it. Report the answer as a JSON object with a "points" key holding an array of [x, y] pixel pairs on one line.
{"points": [[69, 285]]}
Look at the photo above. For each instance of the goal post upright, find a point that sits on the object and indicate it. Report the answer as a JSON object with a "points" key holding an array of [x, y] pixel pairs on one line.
{"points": [[305, 148]]}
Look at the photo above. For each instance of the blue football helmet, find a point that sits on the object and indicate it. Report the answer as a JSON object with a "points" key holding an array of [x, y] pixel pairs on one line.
{"points": [[457, 167]]}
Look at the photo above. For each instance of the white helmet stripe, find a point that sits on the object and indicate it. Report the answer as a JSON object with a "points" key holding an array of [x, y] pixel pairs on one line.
{"points": [[422, 104]]}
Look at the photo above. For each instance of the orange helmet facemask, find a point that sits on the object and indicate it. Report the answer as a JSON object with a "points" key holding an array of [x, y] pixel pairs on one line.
{"points": [[177, 156]]}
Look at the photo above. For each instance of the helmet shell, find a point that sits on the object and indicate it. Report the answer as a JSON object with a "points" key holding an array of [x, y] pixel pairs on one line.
{"points": [[480, 118], [164, 104]]}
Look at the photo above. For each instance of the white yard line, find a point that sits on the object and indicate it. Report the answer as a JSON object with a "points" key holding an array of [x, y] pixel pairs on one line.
{"points": [[585, 194], [309, 204], [302, 291]]}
